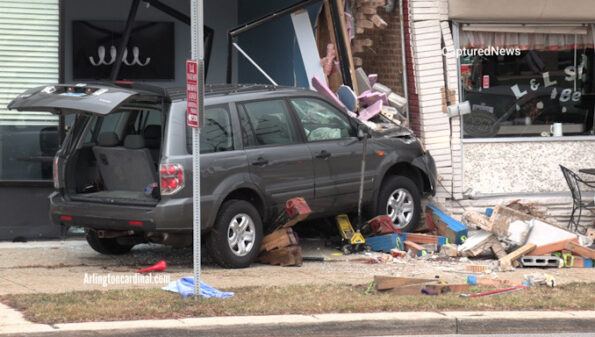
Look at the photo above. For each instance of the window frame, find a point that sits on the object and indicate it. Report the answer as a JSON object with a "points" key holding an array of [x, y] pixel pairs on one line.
{"points": [[456, 27]]}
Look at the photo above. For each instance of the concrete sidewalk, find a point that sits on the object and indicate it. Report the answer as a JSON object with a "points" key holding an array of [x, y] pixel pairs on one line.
{"points": [[453, 322]]}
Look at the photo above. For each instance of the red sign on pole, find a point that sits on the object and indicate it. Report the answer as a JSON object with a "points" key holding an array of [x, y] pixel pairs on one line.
{"points": [[192, 93]]}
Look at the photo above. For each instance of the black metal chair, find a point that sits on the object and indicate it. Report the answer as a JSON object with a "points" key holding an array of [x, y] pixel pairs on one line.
{"points": [[578, 204]]}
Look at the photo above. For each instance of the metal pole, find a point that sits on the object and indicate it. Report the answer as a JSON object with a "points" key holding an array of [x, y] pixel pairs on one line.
{"points": [[254, 63], [197, 37], [125, 39]]}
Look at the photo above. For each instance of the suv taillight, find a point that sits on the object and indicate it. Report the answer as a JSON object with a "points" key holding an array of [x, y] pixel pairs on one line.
{"points": [[55, 172], [171, 178]]}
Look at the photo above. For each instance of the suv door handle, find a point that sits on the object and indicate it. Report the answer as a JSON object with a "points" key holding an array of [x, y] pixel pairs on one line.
{"points": [[324, 154], [260, 162]]}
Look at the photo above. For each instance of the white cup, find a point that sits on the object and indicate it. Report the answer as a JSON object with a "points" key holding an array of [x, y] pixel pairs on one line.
{"points": [[556, 130]]}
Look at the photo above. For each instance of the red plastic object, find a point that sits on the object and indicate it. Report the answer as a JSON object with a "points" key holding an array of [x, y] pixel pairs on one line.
{"points": [[297, 206], [494, 292], [383, 224], [159, 266]]}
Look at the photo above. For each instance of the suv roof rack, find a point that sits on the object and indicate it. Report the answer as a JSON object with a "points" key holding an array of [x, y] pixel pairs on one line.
{"points": [[224, 89]]}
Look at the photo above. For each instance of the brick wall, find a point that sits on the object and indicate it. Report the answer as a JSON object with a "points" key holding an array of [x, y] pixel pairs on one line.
{"points": [[384, 57]]}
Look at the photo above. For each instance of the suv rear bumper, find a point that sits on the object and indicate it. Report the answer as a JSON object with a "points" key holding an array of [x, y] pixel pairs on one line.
{"points": [[168, 215]]}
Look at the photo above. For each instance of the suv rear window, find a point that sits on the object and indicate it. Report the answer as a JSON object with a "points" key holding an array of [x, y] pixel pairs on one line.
{"points": [[216, 135]]}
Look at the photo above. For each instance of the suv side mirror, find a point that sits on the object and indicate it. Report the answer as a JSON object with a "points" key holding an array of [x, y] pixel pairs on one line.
{"points": [[362, 132]]}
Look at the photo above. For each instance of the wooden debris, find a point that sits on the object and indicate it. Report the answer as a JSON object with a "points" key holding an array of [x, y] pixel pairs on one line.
{"points": [[410, 290], [476, 268], [288, 256], [449, 250], [506, 261], [503, 216], [378, 21], [363, 42], [425, 238], [446, 225], [364, 24], [478, 220], [391, 282], [418, 250], [369, 10], [283, 237], [551, 247], [579, 250], [397, 253], [449, 288], [581, 262], [497, 248]]}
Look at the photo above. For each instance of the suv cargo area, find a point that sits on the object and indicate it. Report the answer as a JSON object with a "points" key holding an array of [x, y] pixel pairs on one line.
{"points": [[118, 157]]}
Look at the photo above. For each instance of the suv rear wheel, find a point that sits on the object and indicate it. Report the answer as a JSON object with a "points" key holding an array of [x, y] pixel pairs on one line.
{"points": [[400, 199], [106, 246], [235, 239]]}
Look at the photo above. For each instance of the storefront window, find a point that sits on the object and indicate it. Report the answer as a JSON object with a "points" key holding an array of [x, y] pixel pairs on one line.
{"points": [[27, 151], [528, 85]]}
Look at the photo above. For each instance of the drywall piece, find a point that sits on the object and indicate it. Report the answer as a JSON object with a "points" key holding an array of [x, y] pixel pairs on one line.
{"points": [[322, 88], [373, 78], [543, 233], [368, 98], [347, 97], [370, 111], [518, 232], [381, 88], [307, 43], [363, 81], [476, 244], [396, 100]]}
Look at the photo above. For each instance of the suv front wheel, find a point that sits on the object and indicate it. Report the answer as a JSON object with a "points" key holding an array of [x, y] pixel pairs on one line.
{"points": [[400, 199], [235, 239]]}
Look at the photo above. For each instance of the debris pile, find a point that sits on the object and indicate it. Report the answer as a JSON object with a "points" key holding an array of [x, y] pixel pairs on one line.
{"points": [[514, 238], [281, 246]]}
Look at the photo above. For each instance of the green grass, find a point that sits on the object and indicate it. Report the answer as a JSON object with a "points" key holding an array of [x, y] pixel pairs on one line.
{"points": [[158, 304]]}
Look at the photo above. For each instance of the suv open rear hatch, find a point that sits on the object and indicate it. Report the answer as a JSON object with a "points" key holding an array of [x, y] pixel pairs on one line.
{"points": [[94, 99]]}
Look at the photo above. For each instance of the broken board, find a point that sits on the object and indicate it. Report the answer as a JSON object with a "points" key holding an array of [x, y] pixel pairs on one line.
{"points": [[288, 256], [307, 44], [391, 282], [455, 231], [449, 288]]}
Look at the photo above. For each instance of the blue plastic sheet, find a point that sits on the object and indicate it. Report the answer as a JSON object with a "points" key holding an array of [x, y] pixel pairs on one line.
{"points": [[185, 287]]}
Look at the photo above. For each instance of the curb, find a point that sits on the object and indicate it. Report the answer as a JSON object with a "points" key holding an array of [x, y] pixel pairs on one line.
{"points": [[454, 322]]}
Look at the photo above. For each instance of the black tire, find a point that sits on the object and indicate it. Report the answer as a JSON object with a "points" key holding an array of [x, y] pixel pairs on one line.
{"points": [[220, 241], [400, 185], [106, 246]]}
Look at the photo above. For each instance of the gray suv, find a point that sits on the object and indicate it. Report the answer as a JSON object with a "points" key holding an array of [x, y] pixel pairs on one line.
{"points": [[124, 170]]}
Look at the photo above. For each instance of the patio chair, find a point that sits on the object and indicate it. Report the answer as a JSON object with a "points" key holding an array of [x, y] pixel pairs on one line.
{"points": [[580, 200]]}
